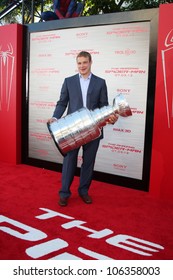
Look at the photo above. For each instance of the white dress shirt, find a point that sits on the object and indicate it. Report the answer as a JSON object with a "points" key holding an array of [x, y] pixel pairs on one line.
{"points": [[84, 83]]}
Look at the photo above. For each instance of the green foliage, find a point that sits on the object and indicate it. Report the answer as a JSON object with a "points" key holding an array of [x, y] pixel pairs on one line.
{"points": [[112, 6], [145, 4], [101, 7]]}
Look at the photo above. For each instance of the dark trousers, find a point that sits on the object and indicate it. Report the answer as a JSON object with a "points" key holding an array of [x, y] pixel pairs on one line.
{"points": [[86, 172]]}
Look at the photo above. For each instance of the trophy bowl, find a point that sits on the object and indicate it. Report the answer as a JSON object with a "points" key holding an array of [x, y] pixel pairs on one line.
{"points": [[84, 125]]}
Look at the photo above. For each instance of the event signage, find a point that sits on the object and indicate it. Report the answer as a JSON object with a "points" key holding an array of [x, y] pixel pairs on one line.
{"points": [[120, 55], [60, 247]]}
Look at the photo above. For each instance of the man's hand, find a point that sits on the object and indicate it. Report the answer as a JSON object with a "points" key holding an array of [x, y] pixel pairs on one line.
{"points": [[51, 120], [113, 118]]}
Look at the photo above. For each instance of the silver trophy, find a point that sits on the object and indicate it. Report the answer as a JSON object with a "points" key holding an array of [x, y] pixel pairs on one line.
{"points": [[76, 129]]}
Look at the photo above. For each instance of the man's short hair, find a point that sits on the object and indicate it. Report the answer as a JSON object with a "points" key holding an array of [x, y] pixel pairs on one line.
{"points": [[84, 54]]}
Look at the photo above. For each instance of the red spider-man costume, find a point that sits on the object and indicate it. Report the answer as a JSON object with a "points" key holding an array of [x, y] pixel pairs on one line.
{"points": [[63, 9]]}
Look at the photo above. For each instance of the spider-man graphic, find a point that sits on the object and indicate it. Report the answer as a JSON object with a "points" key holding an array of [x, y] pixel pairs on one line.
{"points": [[6, 75], [63, 9]]}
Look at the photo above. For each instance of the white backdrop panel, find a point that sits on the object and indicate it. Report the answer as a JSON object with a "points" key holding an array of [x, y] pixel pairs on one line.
{"points": [[121, 56]]}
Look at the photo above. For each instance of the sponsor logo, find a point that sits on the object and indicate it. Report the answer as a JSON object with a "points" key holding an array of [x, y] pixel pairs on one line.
{"points": [[44, 55], [81, 35], [121, 167], [125, 52], [122, 130], [123, 90]]}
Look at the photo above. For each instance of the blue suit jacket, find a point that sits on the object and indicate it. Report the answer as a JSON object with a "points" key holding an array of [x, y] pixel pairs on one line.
{"points": [[71, 95]]}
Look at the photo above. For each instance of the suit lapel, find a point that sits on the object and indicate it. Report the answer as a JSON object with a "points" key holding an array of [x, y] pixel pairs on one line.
{"points": [[78, 89], [90, 89]]}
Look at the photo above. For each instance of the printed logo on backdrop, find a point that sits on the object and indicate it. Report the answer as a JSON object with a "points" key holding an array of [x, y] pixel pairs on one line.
{"points": [[61, 247], [75, 52], [48, 71], [6, 75], [125, 71], [119, 148], [125, 52], [45, 38], [81, 35], [127, 31], [167, 55]]}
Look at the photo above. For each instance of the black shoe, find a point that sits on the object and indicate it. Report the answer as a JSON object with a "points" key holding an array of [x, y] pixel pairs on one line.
{"points": [[86, 198], [63, 201]]}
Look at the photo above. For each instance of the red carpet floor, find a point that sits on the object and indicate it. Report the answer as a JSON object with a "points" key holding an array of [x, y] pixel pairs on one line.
{"points": [[121, 224]]}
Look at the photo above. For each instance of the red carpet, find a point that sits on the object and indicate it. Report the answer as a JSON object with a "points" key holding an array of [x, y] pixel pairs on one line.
{"points": [[121, 224]]}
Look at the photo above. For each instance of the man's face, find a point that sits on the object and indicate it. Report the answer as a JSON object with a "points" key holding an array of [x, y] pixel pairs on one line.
{"points": [[84, 66]]}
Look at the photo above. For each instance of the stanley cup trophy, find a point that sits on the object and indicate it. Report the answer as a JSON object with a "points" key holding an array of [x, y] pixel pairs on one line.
{"points": [[76, 129]]}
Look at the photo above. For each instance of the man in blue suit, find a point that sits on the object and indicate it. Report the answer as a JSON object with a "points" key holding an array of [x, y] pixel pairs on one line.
{"points": [[81, 90]]}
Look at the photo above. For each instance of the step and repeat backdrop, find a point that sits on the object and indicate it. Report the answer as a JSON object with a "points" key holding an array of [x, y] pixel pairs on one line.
{"points": [[120, 55]]}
